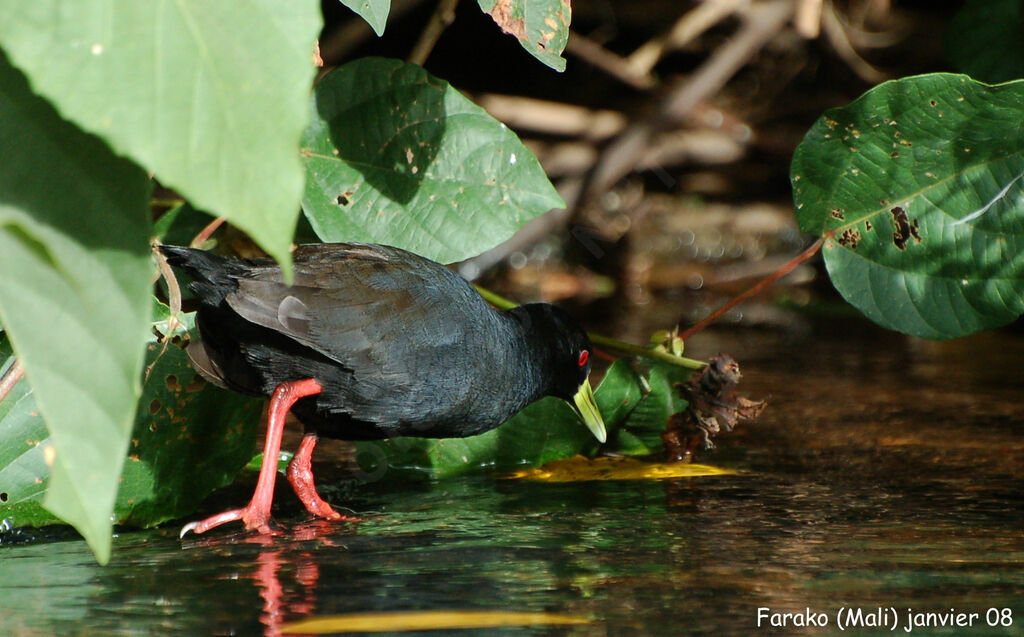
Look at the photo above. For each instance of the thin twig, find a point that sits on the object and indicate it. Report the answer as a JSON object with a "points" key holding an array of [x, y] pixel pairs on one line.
{"points": [[761, 23], [646, 352], [443, 16], [808, 18], [611, 63], [781, 272], [10, 378], [552, 118], [690, 26], [835, 31]]}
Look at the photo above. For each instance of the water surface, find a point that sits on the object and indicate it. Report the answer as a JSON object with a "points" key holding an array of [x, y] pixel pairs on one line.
{"points": [[886, 473]]}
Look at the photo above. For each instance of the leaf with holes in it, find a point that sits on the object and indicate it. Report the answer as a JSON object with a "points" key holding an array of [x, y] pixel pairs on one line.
{"points": [[375, 12], [188, 439], [397, 156], [541, 26], [918, 189], [174, 86]]}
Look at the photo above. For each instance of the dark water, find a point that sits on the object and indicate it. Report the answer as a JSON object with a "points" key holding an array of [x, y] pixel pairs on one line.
{"points": [[886, 473]]}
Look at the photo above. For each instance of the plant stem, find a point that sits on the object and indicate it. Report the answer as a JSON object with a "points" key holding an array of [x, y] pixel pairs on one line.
{"points": [[443, 15], [778, 274], [502, 303], [647, 352]]}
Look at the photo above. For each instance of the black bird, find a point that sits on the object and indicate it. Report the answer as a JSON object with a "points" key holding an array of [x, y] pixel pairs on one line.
{"points": [[372, 342]]}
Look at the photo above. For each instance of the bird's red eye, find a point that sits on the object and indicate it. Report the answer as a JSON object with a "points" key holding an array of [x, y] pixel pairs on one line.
{"points": [[584, 356]]}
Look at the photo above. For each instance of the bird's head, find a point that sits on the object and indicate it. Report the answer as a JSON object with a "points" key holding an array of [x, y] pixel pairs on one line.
{"points": [[565, 354]]}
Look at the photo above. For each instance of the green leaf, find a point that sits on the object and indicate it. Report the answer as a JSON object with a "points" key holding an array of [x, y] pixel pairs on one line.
{"points": [[396, 156], [640, 432], [74, 294], [541, 26], [375, 12], [918, 189], [209, 96], [986, 40], [188, 439]]}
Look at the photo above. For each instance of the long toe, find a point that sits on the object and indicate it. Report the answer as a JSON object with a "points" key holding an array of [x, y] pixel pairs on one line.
{"points": [[253, 520]]}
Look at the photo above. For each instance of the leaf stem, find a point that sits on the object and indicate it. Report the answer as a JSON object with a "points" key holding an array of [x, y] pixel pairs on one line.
{"points": [[502, 303], [778, 274], [647, 352]]}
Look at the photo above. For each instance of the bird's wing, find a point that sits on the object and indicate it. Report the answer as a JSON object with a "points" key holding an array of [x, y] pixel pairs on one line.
{"points": [[365, 307]]}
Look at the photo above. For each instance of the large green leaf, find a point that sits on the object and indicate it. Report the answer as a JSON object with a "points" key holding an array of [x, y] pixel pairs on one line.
{"points": [[375, 12], [188, 439], [74, 294], [396, 156], [209, 96], [917, 189], [986, 40], [541, 26]]}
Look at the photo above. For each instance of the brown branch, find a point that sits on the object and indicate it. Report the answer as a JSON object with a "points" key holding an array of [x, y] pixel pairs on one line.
{"points": [[690, 26], [552, 118], [761, 23], [835, 31], [615, 65], [808, 18], [443, 16], [781, 272]]}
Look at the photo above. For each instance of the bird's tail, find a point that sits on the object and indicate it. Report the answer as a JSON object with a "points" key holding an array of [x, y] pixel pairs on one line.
{"points": [[213, 276]]}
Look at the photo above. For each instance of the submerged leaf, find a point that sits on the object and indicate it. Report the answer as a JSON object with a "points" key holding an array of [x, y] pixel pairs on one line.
{"points": [[427, 620], [581, 469]]}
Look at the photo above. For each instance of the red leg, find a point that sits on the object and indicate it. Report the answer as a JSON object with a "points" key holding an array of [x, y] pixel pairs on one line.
{"points": [[300, 475], [256, 514]]}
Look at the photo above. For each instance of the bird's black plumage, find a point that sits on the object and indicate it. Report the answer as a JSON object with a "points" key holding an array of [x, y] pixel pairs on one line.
{"points": [[401, 345]]}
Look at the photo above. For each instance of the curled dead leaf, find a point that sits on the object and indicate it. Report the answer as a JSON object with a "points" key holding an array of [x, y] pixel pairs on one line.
{"points": [[713, 408]]}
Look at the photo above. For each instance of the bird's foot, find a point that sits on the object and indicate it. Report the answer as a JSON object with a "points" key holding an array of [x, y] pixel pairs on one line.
{"points": [[319, 508], [300, 475], [254, 520]]}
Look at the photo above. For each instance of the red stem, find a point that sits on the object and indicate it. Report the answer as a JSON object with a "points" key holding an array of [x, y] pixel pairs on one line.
{"points": [[761, 285]]}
